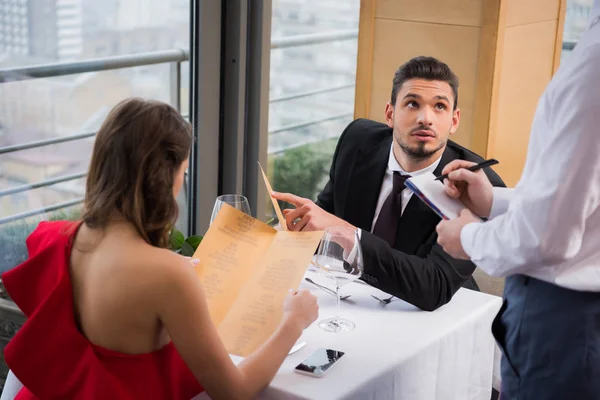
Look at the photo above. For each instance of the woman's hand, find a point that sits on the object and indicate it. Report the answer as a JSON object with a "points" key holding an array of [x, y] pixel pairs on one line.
{"points": [[300, 308]]}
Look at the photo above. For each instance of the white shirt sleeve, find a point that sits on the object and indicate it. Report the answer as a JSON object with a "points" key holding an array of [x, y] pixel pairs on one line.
{"points": [[500, 201], [560, 186]]}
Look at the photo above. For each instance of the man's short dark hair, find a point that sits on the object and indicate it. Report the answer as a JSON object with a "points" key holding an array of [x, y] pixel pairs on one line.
{"points": [[427, 68]]}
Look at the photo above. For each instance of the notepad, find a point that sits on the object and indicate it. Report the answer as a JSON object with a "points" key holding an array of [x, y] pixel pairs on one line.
{"points": [[432, 193]]}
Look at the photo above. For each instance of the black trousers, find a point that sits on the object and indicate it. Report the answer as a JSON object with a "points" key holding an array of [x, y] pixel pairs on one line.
{"points": [[550, 340]]}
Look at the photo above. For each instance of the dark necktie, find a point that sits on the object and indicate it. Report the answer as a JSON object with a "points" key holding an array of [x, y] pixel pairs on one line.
{"points": [[386, 226]]}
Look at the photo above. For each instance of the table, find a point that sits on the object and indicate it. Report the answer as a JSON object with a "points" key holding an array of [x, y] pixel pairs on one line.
{"points": [[396, 351]]}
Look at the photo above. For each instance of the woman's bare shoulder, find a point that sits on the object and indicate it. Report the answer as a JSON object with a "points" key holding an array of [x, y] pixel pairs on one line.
{"points": [[161, 267], [165, 278]]}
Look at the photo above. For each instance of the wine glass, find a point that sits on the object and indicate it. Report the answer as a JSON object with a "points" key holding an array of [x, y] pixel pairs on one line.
{"points": [[339, 257], [236, 201]]}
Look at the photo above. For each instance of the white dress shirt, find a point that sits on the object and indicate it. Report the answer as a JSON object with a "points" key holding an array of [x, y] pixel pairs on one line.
{"points": [[388, 184], [548, 227]]}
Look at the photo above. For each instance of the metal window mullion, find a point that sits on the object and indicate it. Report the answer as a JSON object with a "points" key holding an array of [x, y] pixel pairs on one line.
{"points": [[46, 142], [313, 38], [154, 57], [233, 82], [175, 85], [296, 145], [40, 184], [92, 65], [291, 127], [205, 73], [42, 210], [309, 93], [257, 102]]}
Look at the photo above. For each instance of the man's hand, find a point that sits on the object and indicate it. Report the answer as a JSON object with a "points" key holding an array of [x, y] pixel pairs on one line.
{"points": [[310, 216], [449, 234], [472, 188]]}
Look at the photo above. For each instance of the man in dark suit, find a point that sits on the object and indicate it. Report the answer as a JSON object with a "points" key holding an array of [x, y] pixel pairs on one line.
{"points": [[366, 187]]}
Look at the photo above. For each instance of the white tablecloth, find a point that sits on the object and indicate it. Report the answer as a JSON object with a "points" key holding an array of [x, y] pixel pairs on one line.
{"points": [[396, 351]]}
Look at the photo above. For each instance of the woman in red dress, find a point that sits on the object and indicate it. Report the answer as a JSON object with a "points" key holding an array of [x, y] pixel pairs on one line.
{"points": [[113, 314]]}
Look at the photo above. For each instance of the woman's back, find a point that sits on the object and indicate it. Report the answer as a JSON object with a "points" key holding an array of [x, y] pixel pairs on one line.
{"points": [[114, 285]]}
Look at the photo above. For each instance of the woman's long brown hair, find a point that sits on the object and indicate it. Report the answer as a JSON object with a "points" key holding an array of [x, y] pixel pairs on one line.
{"points": [[138, 150]]}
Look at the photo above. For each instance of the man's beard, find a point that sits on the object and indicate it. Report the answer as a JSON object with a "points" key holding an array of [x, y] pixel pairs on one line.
{"points": [[419, 151]]}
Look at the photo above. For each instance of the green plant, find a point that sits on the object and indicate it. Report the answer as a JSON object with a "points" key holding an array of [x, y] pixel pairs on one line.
{"points": [[182, 245], [300, 171]]}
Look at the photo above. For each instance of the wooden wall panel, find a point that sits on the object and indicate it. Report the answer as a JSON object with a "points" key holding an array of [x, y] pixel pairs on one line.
{"points": [[488, 73], [452, 12], [364, 62], [527, 67], [521, 12], [560, 26]]}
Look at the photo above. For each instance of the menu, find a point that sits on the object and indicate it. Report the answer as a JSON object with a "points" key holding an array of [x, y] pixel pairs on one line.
{"points": [[247, 269]]}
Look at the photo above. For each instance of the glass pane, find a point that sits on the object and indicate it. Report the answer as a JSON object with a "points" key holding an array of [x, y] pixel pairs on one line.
{"points": [[47, 32], [576, 22], [43, 109], [311, 91], [13, 235]]}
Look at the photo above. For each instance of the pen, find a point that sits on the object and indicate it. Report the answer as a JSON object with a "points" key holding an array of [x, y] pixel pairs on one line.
{"points": [[473, 168]]}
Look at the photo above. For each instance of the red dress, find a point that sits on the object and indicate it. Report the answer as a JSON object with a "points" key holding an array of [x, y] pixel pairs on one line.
{"points": [[53, 359]]}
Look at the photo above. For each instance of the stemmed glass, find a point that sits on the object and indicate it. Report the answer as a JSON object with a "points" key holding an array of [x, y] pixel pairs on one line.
{"points": [[339, 258], [234, 200]]}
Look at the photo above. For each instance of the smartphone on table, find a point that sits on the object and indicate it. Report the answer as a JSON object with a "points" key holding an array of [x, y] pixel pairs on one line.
{"points": [[319, 363]]}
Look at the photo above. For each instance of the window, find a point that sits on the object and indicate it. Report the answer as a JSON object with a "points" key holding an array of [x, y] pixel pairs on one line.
{"points": [[43, 109], [576, 22], [304, 126]]}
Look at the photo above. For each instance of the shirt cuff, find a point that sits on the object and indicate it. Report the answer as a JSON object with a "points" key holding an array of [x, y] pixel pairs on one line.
{"points": [[467, 236], [500, 201]]}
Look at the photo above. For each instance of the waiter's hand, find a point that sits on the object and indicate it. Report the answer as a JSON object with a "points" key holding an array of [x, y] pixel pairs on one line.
{"points": [[449, 234], [310, 216], [472, 188]]}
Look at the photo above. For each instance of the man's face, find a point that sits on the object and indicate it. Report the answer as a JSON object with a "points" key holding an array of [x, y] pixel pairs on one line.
{"points": [[423, 118]]}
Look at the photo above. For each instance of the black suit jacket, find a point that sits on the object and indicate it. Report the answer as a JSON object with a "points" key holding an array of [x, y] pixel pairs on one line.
{"points": [[417, 270]]}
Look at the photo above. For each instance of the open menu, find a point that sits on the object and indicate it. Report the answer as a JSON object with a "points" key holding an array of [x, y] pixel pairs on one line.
{"points": [[247, 269]]}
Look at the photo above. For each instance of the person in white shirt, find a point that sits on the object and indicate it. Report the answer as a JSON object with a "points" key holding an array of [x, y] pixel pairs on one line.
{"points": [[544, 236]]}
